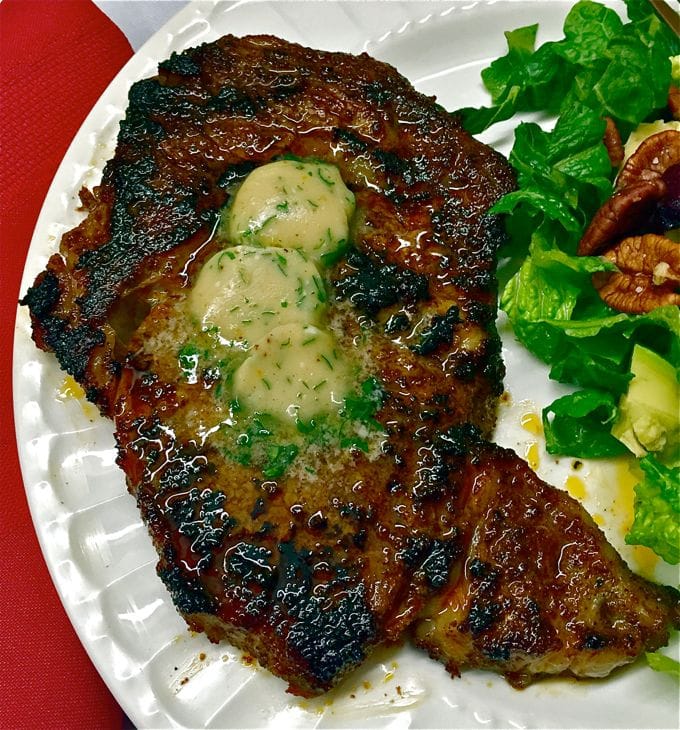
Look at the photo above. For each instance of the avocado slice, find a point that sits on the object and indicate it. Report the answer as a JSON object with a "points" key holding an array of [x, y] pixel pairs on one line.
{"points": [[649, 413]]}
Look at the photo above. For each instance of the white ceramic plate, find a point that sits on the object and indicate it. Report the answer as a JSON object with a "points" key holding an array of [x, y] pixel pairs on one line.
{"points": [[95, 545]]}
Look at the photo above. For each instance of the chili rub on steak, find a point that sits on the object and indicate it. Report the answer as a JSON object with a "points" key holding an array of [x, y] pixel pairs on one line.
{"points": [[284, 296]]}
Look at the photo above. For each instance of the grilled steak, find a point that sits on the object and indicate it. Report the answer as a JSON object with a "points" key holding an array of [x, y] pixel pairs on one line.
{"points": [[307, 552], [539, 591]]}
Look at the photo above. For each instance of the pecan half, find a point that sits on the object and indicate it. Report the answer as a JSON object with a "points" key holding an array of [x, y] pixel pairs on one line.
{"points": [[648, 276], [653, 157], [621, 214], [674, 102], [612, 141], [634, 293], [648, 254]]}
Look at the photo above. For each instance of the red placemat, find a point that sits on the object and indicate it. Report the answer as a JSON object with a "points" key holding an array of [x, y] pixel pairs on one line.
{"points": [[56, 58]]}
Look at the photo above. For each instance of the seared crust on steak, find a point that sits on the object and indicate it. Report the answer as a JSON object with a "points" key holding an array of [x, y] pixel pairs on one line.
{"points": [[539, 591], [305, 572]]}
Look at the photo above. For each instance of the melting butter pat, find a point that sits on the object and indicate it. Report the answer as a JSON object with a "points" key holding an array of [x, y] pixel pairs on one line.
{"points": [[245, 292], [294, 372], [302, 205]]}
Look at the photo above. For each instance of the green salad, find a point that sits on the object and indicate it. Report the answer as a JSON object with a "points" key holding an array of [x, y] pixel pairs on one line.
{"points": [[602, 67]]}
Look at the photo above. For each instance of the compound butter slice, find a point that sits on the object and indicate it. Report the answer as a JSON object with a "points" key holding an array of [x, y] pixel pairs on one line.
{"points": [[294, 372], [246, 292], [303, 205]]}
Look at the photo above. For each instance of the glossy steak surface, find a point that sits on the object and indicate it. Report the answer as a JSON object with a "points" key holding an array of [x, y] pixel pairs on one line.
{"points": [[342, 538]]}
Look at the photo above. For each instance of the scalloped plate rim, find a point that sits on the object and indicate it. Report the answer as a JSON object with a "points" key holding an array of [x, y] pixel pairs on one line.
{"points": [[30, 428]]}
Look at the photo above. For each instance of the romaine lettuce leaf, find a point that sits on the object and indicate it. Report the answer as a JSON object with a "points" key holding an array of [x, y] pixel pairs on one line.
{"points": [[663, 663], [657, 510], [476, 120], [639, 58], [593, 352], [579, 424], [589, 366], [638, 9], [588, 30], [601, 67], [523, 79], [597, 63]]}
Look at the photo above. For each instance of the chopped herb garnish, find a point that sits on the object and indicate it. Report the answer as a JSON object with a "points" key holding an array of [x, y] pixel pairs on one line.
{"points": [[364, 405], [320, 289], [265, 222], [354, 442], [328, 362], [300, 291], [330, 183], [229, 254], [279, 458]]}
